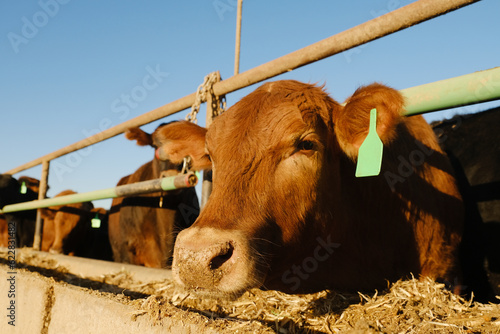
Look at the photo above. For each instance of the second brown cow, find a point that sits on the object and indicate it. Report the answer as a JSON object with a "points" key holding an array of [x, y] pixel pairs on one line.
{"points": [[142, 228]]}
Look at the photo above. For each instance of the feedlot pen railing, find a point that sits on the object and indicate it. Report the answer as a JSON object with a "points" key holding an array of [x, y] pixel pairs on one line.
{"points": [[465, 90], [138, 188]]}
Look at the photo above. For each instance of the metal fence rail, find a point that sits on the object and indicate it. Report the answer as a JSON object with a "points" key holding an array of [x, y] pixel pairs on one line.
{"points": [[144, 187], [482, 86]]}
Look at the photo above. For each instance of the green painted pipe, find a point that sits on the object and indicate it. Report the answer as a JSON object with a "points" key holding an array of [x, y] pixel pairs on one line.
{"points": [[482, 86], [166, 184]]}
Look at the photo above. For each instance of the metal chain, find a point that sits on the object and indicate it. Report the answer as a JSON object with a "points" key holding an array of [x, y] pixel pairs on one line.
{"points": [[201, 96], [219, 105]]}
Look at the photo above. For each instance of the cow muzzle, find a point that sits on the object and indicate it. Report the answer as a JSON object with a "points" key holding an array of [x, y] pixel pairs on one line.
{"points": [[213, 261]]}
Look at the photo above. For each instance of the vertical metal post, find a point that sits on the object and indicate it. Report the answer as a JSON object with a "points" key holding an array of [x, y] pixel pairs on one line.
{"points": [[238, 38], [37, 242]]}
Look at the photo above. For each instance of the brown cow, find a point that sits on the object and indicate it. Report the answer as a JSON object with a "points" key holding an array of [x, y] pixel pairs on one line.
{"points": [[142, 228], [67, 229], [64, 225], [287, 212]]}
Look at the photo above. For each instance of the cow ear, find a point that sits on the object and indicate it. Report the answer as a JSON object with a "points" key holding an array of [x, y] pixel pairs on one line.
{"points": [[353, 120], [181, 139], [143, 138]]}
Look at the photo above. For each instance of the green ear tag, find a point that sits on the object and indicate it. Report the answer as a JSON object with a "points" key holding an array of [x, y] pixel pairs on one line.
{"points": [[370, 152], [96, 222], [24, 188]]}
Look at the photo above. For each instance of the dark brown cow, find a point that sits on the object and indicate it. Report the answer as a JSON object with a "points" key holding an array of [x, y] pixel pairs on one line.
{"points": [[11, 192], [287, 212], [472, 143], [97, 245], [142, 229]]}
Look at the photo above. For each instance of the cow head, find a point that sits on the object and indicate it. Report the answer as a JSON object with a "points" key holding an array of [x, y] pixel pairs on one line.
{"points": [[11, 190], [275, 157], [170, 163], [177, 140]]}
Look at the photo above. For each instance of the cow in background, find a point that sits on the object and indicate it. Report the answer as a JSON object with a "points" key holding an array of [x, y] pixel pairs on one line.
{"points": [[67, 229], [13, 191], [63, 224], [142, 228], [30, 183], [472, 143], [287, 212]]}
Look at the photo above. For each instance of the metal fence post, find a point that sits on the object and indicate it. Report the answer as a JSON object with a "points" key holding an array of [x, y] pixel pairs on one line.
{"points": [[238, 38], [37, 241]]}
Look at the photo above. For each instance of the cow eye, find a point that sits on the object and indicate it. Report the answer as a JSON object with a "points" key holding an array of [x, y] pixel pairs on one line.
{"points": [[306, 145]]}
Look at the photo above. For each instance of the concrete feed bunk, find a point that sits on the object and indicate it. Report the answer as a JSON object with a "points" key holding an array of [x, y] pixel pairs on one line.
{"points": [[62, 294]]}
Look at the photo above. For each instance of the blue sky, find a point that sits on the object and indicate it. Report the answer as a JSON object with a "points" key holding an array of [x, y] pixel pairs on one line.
{"points": [[71, 67]]}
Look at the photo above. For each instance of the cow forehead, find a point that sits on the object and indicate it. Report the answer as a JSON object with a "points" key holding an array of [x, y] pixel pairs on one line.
{"points": [[259, 131], [268, 116]]}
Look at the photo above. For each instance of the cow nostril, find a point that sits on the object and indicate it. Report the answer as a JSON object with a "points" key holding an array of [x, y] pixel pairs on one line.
{"points": [[224, 255]]}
